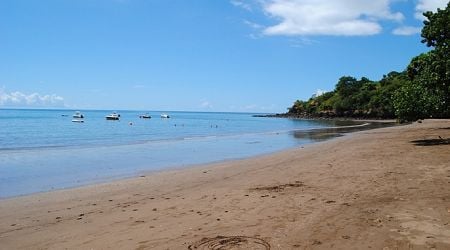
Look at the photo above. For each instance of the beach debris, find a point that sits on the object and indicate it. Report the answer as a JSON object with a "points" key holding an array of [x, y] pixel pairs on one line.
{"points": [[279, 188], [316, 242], [231, 242]]}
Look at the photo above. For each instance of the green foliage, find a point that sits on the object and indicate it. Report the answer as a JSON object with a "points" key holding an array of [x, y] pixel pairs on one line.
{"points": [[430, 72], [413, 101], [299, 107], [421, 91], [354, 98], [436, 30], [425, 74], [382, 103]]}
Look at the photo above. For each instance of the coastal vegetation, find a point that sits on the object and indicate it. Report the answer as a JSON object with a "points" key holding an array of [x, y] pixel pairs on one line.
{"points": [[422, 90]]}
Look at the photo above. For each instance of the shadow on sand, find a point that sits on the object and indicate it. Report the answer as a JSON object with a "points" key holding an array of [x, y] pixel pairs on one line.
{"points": [[432, 142]]}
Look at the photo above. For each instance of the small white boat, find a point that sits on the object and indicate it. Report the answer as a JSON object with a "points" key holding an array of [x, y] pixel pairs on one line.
{"points": [[165, 116], [78, 120], [78, 115], [112, 116], [145, 116]]}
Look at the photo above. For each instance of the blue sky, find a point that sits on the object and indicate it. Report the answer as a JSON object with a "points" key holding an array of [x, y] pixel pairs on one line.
{"points": [[198, 55]]}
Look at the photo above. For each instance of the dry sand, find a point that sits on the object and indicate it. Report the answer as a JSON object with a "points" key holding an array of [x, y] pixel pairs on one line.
{"points": [[374, 189]]}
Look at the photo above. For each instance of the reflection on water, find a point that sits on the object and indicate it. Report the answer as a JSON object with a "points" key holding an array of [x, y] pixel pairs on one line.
{"points": [[340, 128]]}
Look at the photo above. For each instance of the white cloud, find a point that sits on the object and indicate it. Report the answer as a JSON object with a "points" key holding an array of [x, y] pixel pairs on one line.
{"points": [[255, 36], [406, 31], [206, 105], [253, 25], [319, 92], [19, 99], [428, 5], [329, 17], [241, 4]]}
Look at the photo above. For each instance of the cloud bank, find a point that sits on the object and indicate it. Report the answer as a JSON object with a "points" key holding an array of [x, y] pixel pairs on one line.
{"points": [[325, 17], [19, 99], [335, 17]]}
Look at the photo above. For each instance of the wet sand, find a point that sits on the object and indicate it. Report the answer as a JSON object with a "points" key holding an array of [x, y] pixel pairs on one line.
{"points": [[386, 188]]}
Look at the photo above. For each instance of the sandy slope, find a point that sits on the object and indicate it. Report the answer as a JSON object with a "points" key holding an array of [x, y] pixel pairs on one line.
{"points": [[373, 189]]}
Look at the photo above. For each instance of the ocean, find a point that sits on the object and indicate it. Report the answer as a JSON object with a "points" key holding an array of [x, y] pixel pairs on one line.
{"points": [[43, 150]]}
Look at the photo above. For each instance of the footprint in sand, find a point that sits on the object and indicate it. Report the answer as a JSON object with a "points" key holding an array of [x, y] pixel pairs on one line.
{"points": [[231, 242]]}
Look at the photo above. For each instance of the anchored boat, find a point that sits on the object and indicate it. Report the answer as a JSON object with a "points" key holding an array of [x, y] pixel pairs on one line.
{"points": [[113, 116]]}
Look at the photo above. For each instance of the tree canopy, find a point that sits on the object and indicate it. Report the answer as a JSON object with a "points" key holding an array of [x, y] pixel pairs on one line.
{"points": [[420, 91]]}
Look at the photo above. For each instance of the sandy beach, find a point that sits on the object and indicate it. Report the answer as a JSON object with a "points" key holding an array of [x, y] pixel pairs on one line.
{"points": [[385, 188]]}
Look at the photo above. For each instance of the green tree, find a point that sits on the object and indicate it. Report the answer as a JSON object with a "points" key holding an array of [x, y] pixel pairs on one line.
{"points": [[382, 100], [413, 101], [347, 86], [429, 72], [297, 108], [436, 34]]}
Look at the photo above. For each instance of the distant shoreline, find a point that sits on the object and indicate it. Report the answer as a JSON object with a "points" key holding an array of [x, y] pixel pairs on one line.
{"points": [[322, 117]]}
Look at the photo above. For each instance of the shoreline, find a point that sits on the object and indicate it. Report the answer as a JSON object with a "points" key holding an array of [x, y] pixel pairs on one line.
{"points": [[65, 181], [324, 116], [107, 181], [375, 188]]}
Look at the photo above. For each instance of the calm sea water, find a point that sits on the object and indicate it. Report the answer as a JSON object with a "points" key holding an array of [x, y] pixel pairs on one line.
{"points": [[41, 150]]}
